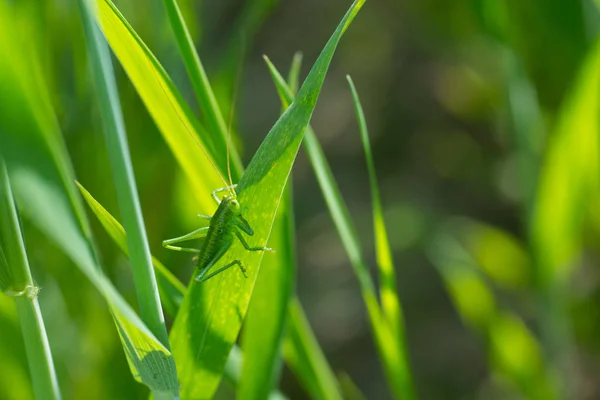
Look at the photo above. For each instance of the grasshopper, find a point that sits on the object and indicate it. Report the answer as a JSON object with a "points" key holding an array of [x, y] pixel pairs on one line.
{"points": [[225, 224]]}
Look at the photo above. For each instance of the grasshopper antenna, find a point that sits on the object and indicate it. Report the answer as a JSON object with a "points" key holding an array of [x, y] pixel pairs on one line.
{"points": [[236, 86]]}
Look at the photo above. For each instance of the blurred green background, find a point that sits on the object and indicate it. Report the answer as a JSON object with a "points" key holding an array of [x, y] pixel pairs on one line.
{"points": [[470, 104]]}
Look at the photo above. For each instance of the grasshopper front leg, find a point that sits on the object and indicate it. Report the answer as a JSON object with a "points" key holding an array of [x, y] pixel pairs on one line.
{"points": [[225, 189], [198, 233]]}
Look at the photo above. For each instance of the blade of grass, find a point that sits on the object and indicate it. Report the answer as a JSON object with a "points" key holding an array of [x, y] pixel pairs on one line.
{"points": [[305, 358], [120, 160], [41, 367], [294, 73], [388, 293], [191, 145], [202, 88], [567, 184], [211, 314], [42, 181], [170, 288], [390, 347]]}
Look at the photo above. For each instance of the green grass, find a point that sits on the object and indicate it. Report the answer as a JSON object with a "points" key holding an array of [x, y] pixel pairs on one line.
{"points": [[524, 291], [120, 159], [17, 282]]}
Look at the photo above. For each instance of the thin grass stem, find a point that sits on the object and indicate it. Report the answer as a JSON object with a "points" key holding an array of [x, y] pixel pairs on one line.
{"points": [[20, 285], [118, 151]]}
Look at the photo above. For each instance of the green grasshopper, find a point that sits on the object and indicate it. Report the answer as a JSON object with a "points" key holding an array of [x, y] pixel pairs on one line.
{"points": [[226, 223]]}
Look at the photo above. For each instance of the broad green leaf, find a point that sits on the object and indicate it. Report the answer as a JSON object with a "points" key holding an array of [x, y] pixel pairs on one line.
{"points": [[388, 344], [195, 150], [42, 181], [210, 317]]}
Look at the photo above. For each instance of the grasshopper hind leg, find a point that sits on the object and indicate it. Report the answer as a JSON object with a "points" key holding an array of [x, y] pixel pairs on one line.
{"points": [[201, 278]]}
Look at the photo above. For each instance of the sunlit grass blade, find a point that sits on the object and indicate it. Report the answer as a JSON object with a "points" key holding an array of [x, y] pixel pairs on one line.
{"points": [[212, 312], [567, 187], [204, 92], [390, 346], [304, 357], [388, 293], [15, 266], [171, 289], [512, 350], [122, 171], [42, 181], [173, 117]]}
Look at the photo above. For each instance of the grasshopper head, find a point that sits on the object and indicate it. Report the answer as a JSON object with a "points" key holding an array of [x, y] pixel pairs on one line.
{"points": [[235, 207]]}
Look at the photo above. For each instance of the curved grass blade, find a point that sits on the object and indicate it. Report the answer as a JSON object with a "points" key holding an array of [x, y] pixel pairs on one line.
{"points": [[41, 367], [388, 293], [568, 186], [122, 171], [197, 74], [305, 358], [173, 117], [390, 345], [211, 314], [171, 289], [42, 181]]}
